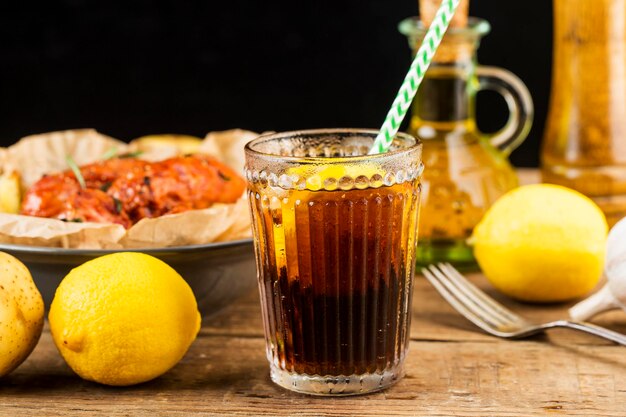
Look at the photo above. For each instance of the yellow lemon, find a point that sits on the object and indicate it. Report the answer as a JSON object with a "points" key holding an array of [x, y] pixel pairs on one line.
{"points": [[10, 192], [183, 144], [333, 176], [123, 318], [542, 243], [21, 313]]}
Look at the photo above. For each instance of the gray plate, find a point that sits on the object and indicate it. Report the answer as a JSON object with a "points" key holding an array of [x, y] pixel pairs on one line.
{"points": [[218, 273]]}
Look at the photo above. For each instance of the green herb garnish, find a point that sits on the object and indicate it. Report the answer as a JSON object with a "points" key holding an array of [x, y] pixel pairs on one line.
{"points": [[130, 155], [105, 187], [112, 153], [74, 167], [109, 154], [118, 205]]}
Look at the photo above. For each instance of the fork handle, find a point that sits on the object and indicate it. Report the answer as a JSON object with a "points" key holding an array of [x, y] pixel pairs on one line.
{"points": [[589, 328]]}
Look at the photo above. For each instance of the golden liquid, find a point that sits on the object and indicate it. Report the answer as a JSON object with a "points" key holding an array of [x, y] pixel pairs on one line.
{"points": [[584, 145], [463, 176]]}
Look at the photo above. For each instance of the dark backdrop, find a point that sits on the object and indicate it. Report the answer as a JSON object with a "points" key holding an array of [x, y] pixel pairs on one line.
{"points": [[142, 67]]}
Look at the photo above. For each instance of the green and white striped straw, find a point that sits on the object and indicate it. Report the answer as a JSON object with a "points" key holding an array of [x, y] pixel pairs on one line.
{"points": [[413, 79]]}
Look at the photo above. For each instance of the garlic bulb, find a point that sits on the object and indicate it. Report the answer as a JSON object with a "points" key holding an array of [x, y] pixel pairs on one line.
{"points": [[613, 294]]}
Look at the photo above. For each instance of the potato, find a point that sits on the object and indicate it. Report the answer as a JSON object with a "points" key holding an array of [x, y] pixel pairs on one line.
{"points": [[183, 144], [21, 313], [10, 192]]}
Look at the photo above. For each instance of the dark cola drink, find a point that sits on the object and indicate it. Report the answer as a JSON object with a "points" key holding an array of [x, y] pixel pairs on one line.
{"points": [[335, 277]]}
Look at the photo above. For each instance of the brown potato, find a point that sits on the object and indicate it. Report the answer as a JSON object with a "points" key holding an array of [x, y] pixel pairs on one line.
{"points": [[21, 313]]}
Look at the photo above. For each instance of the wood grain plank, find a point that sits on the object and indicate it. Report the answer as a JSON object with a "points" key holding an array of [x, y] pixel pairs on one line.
{"points": [[229, 376], [452, 369]]}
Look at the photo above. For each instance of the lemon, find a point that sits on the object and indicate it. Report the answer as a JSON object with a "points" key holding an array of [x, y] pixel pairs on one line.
{"points": [[184, 144], [123, 318], [344, 175], [10, 192], [21, 313], [542, 243]]}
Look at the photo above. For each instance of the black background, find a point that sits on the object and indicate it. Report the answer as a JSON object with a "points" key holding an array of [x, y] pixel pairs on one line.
{"points": [[139, 67]]}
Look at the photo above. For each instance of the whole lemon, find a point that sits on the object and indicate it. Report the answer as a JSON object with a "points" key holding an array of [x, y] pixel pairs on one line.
{"points": [[123, 318], [182, 144], [542, 243], [21, 313]]}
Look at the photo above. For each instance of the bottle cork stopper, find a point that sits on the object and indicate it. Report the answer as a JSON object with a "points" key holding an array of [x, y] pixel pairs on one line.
{"points": [[428, 9], [453, 48]]}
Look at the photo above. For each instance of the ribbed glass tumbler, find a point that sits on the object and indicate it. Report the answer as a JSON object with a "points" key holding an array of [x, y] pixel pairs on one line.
{"points": [[335, 232]]}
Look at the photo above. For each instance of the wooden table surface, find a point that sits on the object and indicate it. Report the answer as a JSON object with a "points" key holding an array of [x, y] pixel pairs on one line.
{"points": [[452, 369]]}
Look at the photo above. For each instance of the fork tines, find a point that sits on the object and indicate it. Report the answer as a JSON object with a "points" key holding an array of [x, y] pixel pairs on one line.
{"points": [[471, 302]]}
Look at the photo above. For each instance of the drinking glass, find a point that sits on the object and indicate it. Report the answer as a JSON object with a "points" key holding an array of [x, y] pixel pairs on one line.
{"points": [[335, 231]]}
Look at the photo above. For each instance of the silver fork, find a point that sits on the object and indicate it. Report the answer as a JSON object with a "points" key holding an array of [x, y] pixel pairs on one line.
{"points": [[493, 317]]}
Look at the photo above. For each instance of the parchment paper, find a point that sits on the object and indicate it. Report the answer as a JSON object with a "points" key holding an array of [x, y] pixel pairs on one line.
{"points": [[37, 155]]}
